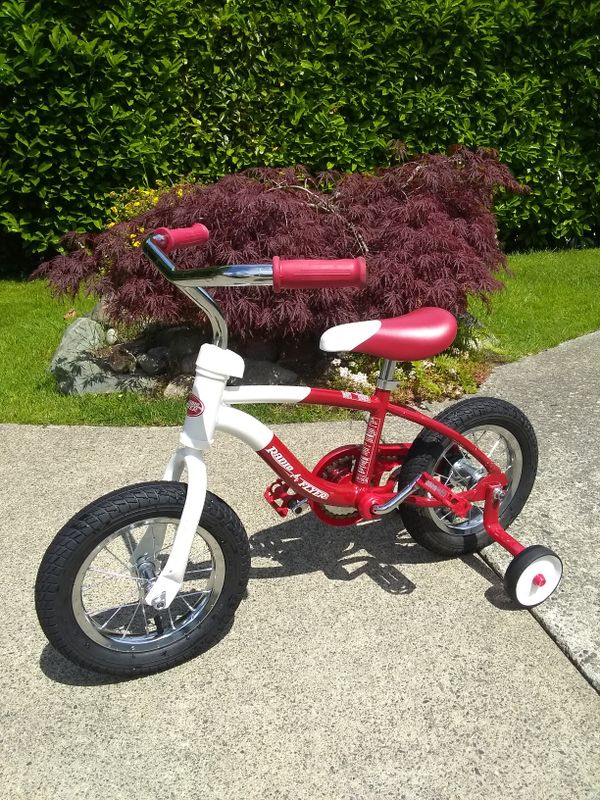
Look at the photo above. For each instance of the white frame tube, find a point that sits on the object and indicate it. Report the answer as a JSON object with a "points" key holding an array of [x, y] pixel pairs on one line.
{"points": [[218, 415]]}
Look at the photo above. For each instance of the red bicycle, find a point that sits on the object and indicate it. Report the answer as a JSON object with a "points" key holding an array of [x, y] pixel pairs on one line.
{"points": [[151, 575]]}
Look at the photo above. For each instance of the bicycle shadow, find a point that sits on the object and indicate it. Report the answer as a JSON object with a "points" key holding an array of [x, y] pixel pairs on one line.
{"points": [[304, 544], [61, 670]]}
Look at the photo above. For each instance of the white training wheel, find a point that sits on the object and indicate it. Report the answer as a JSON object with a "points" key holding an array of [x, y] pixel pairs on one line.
{"points": [[533, 575]]}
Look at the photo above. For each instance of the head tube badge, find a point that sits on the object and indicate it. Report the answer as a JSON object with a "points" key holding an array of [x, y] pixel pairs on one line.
{"points": [[195, 406]]}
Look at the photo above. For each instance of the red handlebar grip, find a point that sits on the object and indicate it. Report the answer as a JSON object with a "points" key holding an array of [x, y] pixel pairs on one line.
{"points": [[321, 273], [181, 237]]}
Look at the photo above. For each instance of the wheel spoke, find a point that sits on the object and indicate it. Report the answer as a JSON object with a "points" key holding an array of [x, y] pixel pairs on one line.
{"points": [[110, 574], [108, 550], [113, 615], [129, 542], [131, 620], [145, 618], [191, 594], [491, 453], [180, 596], [108, 593]]}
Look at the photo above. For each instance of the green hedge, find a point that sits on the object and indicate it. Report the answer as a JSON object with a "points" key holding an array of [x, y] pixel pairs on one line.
{"points": [[102, 96]]}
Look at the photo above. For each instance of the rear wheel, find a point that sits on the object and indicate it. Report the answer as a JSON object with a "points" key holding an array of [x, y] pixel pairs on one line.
{"points": [[506, 436], [93, 578]]}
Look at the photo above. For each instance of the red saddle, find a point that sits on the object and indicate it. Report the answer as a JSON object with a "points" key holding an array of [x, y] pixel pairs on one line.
{"points": [[419, 334]]}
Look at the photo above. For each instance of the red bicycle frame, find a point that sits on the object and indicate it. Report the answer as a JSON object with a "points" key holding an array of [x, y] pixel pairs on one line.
{"points": [[359, 493]]}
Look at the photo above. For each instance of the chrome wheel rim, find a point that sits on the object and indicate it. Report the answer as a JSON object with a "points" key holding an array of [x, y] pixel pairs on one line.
{"points": [[109, 588], [458, 470]]}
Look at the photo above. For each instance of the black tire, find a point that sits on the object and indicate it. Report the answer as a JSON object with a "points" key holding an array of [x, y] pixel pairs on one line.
{"points": [[424, 524], [220, 533], [549, 565]]}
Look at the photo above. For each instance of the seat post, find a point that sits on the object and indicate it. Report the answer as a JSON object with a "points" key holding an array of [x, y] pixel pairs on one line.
{"points": [[386, 375]]}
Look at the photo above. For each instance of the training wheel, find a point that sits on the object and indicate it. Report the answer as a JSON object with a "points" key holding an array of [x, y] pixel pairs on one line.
{"points": [[533, 575]]}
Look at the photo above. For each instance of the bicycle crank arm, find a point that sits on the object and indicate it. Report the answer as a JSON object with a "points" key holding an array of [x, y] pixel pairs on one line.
{"points": [[168, 583]]}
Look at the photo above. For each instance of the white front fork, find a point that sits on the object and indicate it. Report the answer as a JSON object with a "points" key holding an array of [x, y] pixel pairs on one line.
{"points": [[167, 585], [214, 367]]}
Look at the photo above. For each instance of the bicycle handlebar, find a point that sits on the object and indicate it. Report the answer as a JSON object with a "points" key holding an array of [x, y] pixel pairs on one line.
{"points": [[282, 273], [296, 273], [173, 238], [318, 273]]}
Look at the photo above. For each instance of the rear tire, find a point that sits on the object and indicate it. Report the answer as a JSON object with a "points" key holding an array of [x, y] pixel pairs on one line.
{"points": [[436, 528], [91, 562]]}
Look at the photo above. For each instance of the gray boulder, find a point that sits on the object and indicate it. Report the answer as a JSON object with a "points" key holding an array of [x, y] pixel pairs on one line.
{"points": [[155, 361], [120, 360], [98, 313], [265, 372], [82, 336], [188, 364], [181, 342], [77, 371], [180, 386], [260, 350]]}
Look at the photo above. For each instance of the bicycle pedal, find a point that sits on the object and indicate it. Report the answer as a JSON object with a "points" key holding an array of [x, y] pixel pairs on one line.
{"points": [[278, 496]]}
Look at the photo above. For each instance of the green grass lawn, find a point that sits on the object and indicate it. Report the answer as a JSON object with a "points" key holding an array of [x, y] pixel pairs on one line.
{"points": [[31, 326], [551, 297]]}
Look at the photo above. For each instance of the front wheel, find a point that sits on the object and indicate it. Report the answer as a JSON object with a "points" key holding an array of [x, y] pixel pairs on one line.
{"points": [[505, 435], [93, 578]]}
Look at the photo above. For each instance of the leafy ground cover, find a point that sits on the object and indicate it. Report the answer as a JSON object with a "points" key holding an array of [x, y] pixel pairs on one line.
{"points": [[551, 297]]}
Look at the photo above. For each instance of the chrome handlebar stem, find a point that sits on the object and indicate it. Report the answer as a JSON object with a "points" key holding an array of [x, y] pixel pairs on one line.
{"points": [[190, 282]]}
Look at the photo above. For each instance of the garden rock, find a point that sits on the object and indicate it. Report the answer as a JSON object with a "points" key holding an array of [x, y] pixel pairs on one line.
{"points": [[155, 361], [77, 371], [82, 336], [260, 350], [180, 386], [188, 364], [181, 342], [120, 360], [264, 372], [98, 313]]}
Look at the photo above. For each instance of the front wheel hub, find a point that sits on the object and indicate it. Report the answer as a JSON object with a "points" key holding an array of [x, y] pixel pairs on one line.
{"points": [[147, 573]]}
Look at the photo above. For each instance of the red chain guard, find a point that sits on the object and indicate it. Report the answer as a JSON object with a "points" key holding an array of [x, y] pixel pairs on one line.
{"points": [[389, 456]]}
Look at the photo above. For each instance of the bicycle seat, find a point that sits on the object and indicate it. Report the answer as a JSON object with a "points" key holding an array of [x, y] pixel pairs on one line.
{"points": [[419, 334]]}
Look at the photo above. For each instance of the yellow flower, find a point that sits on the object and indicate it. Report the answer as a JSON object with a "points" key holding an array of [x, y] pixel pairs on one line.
{"points": [[137, 244], [110, 224]]}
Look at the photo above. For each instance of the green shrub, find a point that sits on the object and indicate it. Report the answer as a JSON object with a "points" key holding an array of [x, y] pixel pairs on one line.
{"points": [[97, 99]]}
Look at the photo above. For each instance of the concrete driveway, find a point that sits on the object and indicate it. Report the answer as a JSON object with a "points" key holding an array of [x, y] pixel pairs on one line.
{"points": [[359, 666]]}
